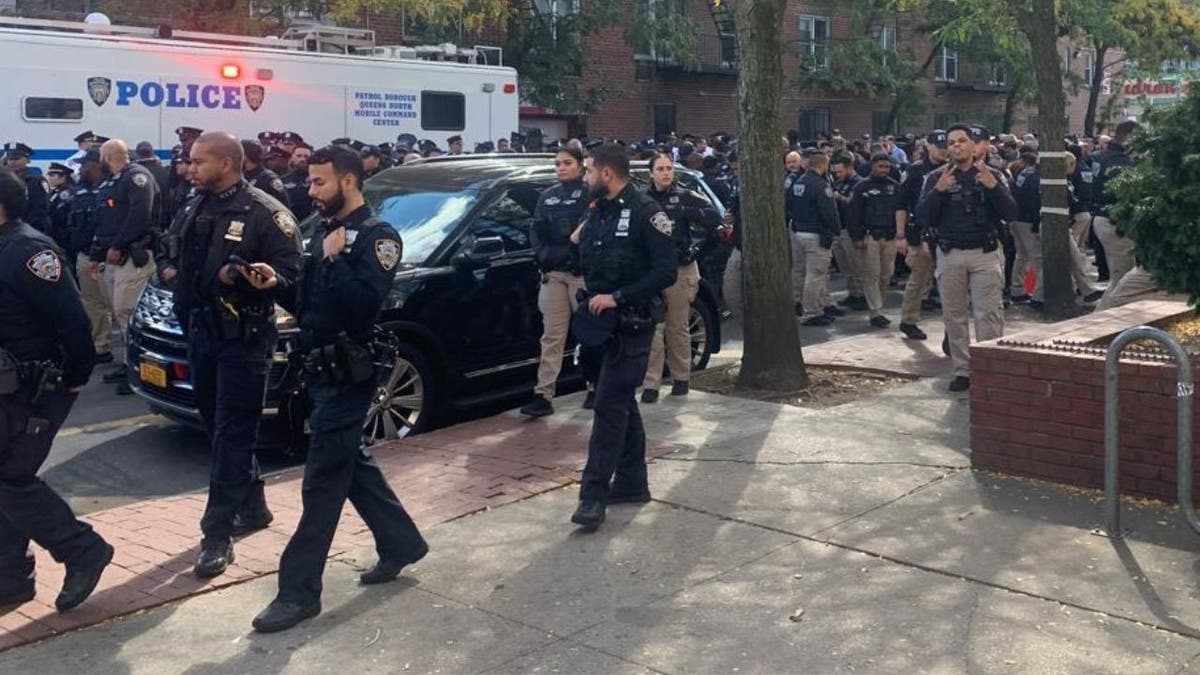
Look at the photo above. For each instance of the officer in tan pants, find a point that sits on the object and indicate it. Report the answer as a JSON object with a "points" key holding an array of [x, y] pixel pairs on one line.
{"points": [[965, 202], [559, 211], [695, 231], [876, 217], [914, 248]]}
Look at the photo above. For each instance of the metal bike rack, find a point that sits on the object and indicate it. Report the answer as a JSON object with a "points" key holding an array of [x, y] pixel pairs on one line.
{"points": [[1183, 435]]}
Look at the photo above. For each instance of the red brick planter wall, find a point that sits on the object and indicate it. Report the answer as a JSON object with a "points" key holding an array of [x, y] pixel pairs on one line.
{"points": [[1037, 408]]}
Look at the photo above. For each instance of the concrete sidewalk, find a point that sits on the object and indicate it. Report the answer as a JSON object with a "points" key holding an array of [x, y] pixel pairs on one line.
{"points": [[853, 539]]}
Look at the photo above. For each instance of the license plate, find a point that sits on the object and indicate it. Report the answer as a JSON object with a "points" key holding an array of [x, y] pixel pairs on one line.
{"points": [[152, 373]]}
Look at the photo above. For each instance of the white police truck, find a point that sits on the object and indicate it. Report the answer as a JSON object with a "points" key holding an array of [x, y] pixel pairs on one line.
{"points": [[323, 82]]}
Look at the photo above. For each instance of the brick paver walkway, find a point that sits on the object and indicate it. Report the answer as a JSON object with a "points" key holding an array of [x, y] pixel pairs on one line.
{"points": [[439, 476]]}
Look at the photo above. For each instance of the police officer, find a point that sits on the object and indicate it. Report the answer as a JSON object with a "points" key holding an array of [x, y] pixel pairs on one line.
{"points": [[559, 211], [147, 159], [81, 229], [1081, 223], [813, 220], [347, 275], [914, 247], [694, 232], [1027, 192], [965, 202], [187, 136], [295, 181], [372, 160], [37, 214], [62, 189], [628, 259], [259, 176], [455, 144], [45, 360], [1118, 248], [848, 259], [230, 328], [83, 142], [877, 218], [122, 242]]}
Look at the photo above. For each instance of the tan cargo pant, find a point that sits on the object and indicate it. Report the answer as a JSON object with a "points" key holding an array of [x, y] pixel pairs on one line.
{"points": [[1135, 285], [1080, 224], [731, 285], [810, 273], [971, 282], [557, 303], [849, 261], [121, 286], [878, 264], [96, 304], [1118, 249], [920, 262], [1029, 257], [673, 334]]}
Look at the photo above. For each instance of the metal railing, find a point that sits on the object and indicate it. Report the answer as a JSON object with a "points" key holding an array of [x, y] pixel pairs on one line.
{"points": [[1185, 390]]}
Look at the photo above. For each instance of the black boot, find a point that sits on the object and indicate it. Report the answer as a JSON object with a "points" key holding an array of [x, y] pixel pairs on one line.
{"points": [[538, 407], [912, 331], [213, 560], [281, 615], [386, 570], [680, 388], [620, 494], [589, 515], [649, 396], [244, 524], [82, 576]]}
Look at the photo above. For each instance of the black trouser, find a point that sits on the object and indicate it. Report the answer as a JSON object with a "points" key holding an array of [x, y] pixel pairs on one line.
{"points": [[618, 443], [30, 509], [340, 467], [229, 377]]}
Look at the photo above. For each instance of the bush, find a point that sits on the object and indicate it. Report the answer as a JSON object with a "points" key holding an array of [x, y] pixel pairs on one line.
{"points": [[1158, 200]]}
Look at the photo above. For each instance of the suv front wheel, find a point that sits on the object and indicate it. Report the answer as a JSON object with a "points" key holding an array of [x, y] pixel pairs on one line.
{"points": [[403, 402], [702, 322]]}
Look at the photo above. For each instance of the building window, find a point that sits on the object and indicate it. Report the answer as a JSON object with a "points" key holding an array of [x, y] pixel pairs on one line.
{"points": [[41, 108], [880, 126], [887, 42], [443, 111], [813, 121], [947, 65], [945, 120], [814, 41], [997, 77], [664, 119], [1089, 67]]}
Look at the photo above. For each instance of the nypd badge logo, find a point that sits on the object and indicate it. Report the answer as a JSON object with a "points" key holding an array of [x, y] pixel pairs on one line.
{"points": [[662, 223], [99, 89], [387, 251], [45, 265], [140, 180], [254, 96], [285, 222]]}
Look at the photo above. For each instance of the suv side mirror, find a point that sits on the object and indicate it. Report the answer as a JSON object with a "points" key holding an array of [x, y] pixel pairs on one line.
{"points": [[479, 253]]}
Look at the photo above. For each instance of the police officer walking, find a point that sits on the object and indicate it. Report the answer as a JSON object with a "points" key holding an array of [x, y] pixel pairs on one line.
{"points": [[81, 229], [229, 324], [966, 202], [628, 259], [46, 357], [813, 219], [914, 247], [347, 275], [37, 214], [691, 215], [559, 211], [259, 176], [123, 241], [877, 219]]}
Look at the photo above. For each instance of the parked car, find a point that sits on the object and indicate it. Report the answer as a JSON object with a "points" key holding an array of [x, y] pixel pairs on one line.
{"points": [[462, 314]]}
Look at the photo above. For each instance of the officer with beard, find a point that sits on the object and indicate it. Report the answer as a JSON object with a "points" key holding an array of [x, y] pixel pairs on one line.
{"points": [[628, 259], [347, 275], [295, 181], [229, 324]]}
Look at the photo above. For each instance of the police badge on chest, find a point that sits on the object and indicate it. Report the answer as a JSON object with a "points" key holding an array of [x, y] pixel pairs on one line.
{"points": [[623, 223], [234, 232]]}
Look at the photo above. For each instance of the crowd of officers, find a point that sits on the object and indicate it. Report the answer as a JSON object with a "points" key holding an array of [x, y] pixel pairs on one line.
{"points": [[230, 252]]}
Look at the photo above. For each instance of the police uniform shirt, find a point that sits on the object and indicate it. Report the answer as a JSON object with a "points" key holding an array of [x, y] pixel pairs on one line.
{"points": [[873, 208], [560, 208], [242, 221], [81, 220], [37, 210], [811, 207], [626, 248], [845, 188], [41, 315], [128, 210], [1111, 163], [269, 182], [295, 184], [1079, 189], [1027, 191], [692, 215], [347, 292], [967, 215]]}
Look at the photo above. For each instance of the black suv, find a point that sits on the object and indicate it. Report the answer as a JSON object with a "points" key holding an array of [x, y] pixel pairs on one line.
{"points": [[463, 309]]}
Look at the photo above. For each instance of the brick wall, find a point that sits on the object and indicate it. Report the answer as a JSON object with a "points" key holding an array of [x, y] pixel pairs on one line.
{"points": [[1040, 414]]}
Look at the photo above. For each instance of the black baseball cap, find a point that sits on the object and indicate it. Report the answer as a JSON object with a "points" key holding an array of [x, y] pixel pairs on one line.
{"points": [[937, 137], [978, 132], [55, 167]]}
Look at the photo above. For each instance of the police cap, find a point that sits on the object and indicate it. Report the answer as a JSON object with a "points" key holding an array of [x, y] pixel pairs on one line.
{"points": [[978, 132], [406, 140], [370, 151], [341, 141], [386, 148], [358, 145], [268, 137], [485, 147], [86, 137], [17, 149], [183, 132], [253, 150], [290, 137], [55, 167], [937, 137], [101, 139]]}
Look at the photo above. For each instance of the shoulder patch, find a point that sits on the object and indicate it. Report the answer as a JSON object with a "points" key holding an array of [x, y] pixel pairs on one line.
{"points": [[662, 223], [45, 265], [140, 179], [285, 222], [387, 252]]}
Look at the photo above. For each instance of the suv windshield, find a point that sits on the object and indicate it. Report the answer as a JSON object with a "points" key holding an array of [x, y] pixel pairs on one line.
{"points": [[423, 217]]}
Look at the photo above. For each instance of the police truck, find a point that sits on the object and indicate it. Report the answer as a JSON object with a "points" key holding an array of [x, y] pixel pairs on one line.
{"points": [[323, 82]]}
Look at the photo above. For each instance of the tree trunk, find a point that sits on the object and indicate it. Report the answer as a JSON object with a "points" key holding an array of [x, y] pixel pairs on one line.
{"points": [[1089, 120], [771, 358], [903, 92], [1040, 25], [1010, 107]]}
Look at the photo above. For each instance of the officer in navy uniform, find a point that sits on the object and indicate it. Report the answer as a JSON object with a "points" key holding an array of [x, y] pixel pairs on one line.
{"points": [[37, 214], [84, 141], [813, 219], [876, 219], [295, 182], [628, 259], [259, 176], [348, 273], [62, 189], [46, 356], [229, 325]]}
